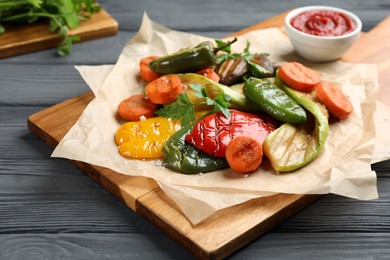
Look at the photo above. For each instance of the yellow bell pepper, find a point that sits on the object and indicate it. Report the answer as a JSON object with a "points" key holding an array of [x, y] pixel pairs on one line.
{"points": [[145, 139]]}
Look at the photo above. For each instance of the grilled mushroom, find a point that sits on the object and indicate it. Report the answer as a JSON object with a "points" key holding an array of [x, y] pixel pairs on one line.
{"points": [[264, 62], [232, 70]]}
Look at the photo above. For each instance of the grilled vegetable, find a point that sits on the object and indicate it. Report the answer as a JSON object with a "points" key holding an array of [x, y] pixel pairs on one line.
{"points": [[299, 77], [274, 101], [144, 139], [244, 154], [164, 89], [232, 71], [290, 147], [237, 99], [188, 59], [209, 73], [145, 72], [213, 133], [196, 98], [182, 157], [135, 107], [334, 99]]}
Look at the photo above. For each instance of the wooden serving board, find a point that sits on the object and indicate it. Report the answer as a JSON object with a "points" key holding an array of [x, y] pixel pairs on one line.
{"points": [[229, 229], [20, 39]]}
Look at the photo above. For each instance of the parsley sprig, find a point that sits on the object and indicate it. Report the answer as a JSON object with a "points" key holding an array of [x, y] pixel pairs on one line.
{"points": [[63, 15], [183, 109], [228, 52]]}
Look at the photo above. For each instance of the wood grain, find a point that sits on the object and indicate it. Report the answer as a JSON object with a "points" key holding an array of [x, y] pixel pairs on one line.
{"points": [[110, 246], [225, 231], [217, 237], [375, 48], [20, 39]]}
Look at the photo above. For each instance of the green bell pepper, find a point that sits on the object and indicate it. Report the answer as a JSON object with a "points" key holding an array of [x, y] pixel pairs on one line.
{"points": [[182, 157], [188, 59], [273, 100], [290, 147]]}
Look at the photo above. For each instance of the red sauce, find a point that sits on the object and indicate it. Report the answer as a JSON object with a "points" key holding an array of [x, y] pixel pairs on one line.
{"points": [[323, 23]]}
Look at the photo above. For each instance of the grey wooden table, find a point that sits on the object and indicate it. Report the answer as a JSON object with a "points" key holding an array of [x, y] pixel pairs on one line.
{"points": [[50, 210]]}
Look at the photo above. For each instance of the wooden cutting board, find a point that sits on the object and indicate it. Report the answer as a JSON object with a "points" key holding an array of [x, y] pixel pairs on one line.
{"points": [[229, 229], [20, 39]]}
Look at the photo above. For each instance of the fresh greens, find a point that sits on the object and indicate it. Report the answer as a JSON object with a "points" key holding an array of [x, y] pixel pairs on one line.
{"points": [[219, 103], [183, 109], [255, 68], [228, 54], [61, 14]]}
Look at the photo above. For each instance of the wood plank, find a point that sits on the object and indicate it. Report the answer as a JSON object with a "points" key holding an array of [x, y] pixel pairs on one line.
{"points": [[20, 39], [231, 16], [227, 230], [375, 48], [56, 183], [343, 245], [32, 85], [104, 245], [126, 188], [218, 236], [47, 119], [276, 21]]}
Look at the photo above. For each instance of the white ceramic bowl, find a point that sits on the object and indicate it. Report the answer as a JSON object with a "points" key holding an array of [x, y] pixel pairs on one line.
{"points": [[321, 48]]}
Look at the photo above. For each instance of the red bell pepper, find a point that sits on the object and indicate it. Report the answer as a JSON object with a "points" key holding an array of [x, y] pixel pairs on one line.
{"points": [[213, 133]]}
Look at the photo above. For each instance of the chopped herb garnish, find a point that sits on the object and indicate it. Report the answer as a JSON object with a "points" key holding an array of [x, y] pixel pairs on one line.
{"points": [[244, 54], [182, 109]]}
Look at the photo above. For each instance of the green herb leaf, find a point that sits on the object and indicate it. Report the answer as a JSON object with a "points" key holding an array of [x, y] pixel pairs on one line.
{"points": [[248, 45], [221, 43], [62, 15], [35, 3], [198, 90], [228, 55], [182, 109], [256, 69], [221, 103]]}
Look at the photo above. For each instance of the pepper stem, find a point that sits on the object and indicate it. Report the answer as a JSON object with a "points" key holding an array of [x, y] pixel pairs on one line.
{"points": [[225, 45]]}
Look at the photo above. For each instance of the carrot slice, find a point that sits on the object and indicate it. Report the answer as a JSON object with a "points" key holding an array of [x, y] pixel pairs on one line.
{"points": [[145, 72], [135, 107], [334, 99], [298, 76], [209, 73], [244, 154], [164, 89]]}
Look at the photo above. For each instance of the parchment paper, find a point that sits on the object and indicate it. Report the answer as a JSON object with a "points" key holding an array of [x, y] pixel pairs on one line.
{"points": [[342, 168]]}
